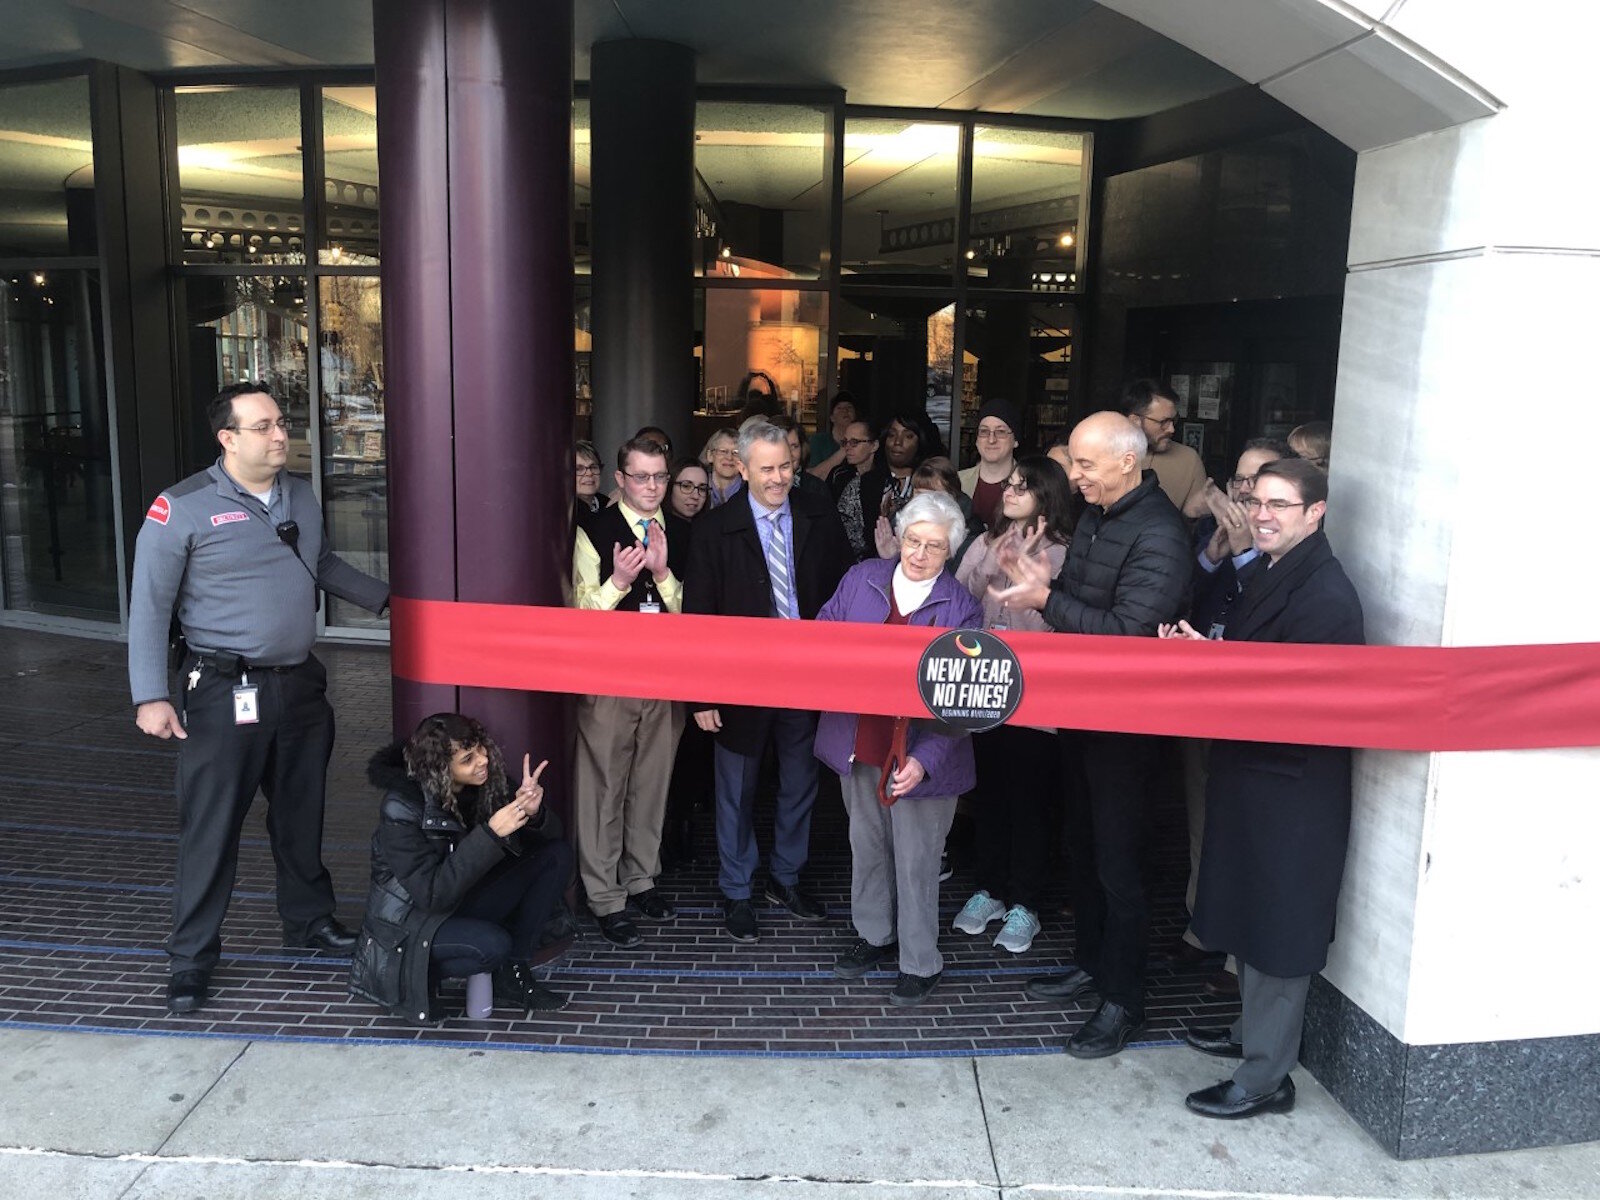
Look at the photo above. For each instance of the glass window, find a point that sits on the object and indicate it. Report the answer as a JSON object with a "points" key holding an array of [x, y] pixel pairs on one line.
{"points": [[249, 327], [58, 519], [900, 200], [350, 176], [581, 190], [1019, 350], [239, 174], [46, 170], [896, 353], [760, 194], [768, 341], [1027, 190], [354, 455]]}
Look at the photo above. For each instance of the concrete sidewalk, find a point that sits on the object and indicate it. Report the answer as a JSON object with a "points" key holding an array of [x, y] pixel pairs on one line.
{"points": [[103, 1116]]}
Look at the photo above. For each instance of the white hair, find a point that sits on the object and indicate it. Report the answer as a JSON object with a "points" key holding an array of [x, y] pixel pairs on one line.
{"points": [[753, 431], [935, 508], [1127, 438]]}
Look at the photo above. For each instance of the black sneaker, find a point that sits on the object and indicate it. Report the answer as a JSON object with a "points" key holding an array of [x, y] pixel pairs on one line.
{"points": [[862, 957], [516, 987], [739, 919], [652, 905], [945, 869], [619, 931], [913, 989], [801, 906]]}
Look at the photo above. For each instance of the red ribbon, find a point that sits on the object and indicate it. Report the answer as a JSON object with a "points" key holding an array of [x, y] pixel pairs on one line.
{"points": [[1382, 697]]}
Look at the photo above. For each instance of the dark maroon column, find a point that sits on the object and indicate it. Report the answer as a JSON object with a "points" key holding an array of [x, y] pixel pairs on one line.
{"points": [[475, 158]]}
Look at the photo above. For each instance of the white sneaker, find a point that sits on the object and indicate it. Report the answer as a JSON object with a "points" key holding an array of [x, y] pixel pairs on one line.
{"points": [[1017, 934], [977, 912]]}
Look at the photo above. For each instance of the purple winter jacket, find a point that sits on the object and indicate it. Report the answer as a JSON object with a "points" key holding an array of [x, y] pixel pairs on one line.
{"points": [[863, 595]]}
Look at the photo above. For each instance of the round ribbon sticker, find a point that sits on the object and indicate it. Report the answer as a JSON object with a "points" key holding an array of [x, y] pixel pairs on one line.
{"points": [[970, 679]]}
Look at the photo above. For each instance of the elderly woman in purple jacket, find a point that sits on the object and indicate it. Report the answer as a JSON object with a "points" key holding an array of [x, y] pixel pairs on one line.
{"points": [[894, 848]]}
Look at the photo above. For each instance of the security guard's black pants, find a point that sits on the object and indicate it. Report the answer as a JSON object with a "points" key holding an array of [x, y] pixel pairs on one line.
{"points": [[220, 767]]}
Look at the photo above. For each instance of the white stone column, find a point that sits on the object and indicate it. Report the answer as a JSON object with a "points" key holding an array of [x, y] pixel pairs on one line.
{"points": [[1463, 504]]}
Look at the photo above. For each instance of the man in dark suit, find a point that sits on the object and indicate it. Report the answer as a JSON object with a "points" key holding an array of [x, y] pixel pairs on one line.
{"points": [[1277, 814], [768, 552]]}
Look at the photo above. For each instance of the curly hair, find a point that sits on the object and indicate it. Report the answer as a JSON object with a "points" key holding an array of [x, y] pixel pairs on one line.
{"points": [[428, 754]]}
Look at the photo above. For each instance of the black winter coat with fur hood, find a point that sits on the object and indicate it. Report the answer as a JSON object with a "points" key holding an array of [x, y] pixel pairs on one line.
{"points": [[424, 861]]}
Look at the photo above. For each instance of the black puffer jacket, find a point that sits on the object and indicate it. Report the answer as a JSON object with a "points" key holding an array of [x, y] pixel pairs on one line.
{"points": [[424, 861], [1128, 568]]}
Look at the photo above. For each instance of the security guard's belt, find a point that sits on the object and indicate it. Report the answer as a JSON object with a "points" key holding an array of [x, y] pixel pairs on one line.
{"points": [[232, 666]]}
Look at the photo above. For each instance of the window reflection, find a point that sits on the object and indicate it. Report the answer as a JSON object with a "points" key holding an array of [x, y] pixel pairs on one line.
{"points": [[239, 174], [354, 448], [58, 516], [1027, 187], [900, 198], [760, 195], [350, 176], [47, 168]]}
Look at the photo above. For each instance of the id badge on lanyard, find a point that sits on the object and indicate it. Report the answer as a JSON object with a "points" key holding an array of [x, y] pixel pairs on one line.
{"points": [[246, 702]]}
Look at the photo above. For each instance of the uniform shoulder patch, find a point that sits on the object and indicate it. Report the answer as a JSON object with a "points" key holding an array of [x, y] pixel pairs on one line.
{"points": [[160, 511]]}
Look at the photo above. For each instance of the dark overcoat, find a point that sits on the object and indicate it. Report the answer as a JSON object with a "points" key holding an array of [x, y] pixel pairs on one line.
{"points": [[1278, 815], [728, 578]]}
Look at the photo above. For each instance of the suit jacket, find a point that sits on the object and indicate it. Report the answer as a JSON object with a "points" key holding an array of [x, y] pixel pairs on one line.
{"points": [[1278, 814], [728, 578]]}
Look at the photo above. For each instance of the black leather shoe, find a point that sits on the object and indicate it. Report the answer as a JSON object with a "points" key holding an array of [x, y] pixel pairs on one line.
{"points": [[1216, 1042], [652, 905], [515, 987], [1058, 988], [739, 919], [619, 931], [187, 991], [1110, 1029], [912, 989], [325, 933], [862, 957], [1227, 1101], [1223, 984], [801, 906]]}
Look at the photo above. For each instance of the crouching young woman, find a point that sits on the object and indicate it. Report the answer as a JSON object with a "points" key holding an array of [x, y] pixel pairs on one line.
{"points": [[465, 873]]}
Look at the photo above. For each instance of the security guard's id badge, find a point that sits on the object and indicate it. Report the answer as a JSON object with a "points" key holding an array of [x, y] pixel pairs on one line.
{"points": [[246, 710]]}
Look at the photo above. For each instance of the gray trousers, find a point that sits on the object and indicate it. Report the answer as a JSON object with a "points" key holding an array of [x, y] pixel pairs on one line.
{"points": [[1269, 1028], [894, 869]]}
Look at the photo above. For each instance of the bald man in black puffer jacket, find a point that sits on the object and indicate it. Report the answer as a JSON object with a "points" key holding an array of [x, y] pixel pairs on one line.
{"points": [[1127, 572]]}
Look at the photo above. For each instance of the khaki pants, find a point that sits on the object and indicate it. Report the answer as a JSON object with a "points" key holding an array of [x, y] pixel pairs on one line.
{"points": [[625, 752]]}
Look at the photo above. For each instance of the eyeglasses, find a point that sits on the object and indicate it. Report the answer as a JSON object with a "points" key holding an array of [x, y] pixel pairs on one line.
{"points": [[1166, 423], [1275, 507], [916, 546], [726, 452], [994, 433], [646, 477], [687, 487], [588, 468], [263, 427], [1016, 485], [1242, 480], [851, 443]]}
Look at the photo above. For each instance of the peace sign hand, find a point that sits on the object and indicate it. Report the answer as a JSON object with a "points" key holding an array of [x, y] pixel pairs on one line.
{"points": [[530, 795]]}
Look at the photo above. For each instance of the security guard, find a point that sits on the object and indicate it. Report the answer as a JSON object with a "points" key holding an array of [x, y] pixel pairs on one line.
{"points": [[239, 549]]}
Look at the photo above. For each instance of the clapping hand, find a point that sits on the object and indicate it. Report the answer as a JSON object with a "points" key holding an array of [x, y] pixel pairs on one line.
{"points": [[655, 552], [1027, 569], [883, 537], [626, 563], [1232, 524], [1183, 631]]}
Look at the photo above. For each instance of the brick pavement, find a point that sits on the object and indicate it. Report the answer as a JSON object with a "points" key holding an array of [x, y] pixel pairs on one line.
{"points": [[87, 831]]}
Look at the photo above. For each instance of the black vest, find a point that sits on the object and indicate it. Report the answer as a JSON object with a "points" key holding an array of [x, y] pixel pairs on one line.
{"points": [[608, 528]]}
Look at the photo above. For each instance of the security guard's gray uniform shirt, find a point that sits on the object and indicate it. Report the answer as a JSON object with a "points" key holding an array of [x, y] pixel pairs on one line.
{"points": [[213, 548]]}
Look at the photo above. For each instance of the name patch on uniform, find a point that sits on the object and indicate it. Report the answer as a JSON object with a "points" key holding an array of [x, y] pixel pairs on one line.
{"points": [[159, 511], [229, 518]]}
